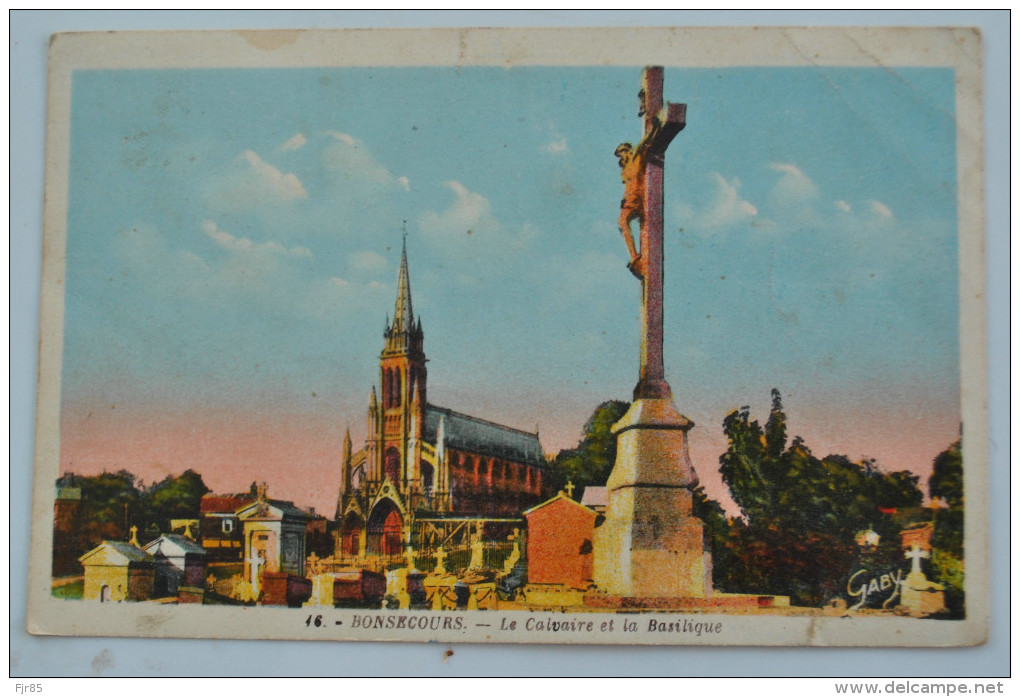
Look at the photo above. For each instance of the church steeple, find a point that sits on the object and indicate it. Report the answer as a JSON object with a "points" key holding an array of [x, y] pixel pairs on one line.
{"points": [[402, 379], [402, 365], [403, 312], [404, 334]]}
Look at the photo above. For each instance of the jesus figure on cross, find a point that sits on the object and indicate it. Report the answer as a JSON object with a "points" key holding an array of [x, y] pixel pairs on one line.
{"points": [[632, 172], [632, 206], [633, 162]]}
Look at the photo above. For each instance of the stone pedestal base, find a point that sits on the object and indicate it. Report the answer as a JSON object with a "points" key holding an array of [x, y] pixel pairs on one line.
{"points": [[921, 597], [652, 552], [649, 545]]}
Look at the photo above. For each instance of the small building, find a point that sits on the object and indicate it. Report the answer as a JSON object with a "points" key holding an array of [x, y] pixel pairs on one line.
{"points": [[274, 538], [117, 571], [560, 534], [179, 561], [219, 529]]}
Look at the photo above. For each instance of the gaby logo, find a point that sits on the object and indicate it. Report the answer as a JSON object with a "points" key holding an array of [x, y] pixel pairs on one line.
{"points": [[870, 590]]}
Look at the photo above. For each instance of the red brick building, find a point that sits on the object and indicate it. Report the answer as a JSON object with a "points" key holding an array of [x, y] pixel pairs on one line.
{"points": [[560, 534]]}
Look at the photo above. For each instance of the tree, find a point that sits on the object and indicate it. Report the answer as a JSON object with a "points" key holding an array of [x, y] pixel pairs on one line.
{"points": [[173, 497], [717, 530], [946, 483], [801, 512], [590, 463], [946, 480]]}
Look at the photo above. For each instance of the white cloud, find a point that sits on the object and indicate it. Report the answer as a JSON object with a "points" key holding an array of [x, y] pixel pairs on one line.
{"points": [[467, 231], [367, 261], [881, 209], [556, 146], [273, 277], [343, 138], [283, 186], [295, 142], [327, 298], [351, 162], [468, 214], [843, 206], [726, 207], [794, 187], [244, 245], [249, 181]]}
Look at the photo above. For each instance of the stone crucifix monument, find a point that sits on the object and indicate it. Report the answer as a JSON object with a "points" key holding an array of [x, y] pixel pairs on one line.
{"points": [[650, 545]]}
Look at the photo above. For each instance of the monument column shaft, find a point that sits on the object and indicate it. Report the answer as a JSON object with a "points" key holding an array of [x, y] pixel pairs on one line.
{"points": [[661, 125], [652, 384]]}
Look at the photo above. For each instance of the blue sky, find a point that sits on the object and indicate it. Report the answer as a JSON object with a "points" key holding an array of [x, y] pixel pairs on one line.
{"points": [[234, 236]]}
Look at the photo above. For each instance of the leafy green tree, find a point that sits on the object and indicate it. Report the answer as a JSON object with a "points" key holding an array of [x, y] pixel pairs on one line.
{"points": [[173, 497], [801, 513], [946, 480], [946, 483], [107, 502], [590, 463], [717, 530]]}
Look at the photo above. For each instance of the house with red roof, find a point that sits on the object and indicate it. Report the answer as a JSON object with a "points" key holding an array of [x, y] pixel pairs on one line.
{"points": [[220, 529]]}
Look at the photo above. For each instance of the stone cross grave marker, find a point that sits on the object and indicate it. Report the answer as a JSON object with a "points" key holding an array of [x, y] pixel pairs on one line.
{"points": [[915, 555]]}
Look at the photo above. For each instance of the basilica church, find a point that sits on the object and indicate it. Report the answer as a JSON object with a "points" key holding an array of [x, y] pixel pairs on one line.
{"points": [[425, 463]]}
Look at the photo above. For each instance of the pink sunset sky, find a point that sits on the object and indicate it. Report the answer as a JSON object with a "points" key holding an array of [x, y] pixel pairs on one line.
{"points": [[298, 453]]}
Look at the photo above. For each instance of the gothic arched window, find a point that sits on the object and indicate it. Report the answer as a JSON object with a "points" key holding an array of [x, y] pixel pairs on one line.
{"points": [[393, 464]]}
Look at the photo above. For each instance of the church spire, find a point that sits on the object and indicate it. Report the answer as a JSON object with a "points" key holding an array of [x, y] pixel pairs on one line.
{"points": [[403, 313]]}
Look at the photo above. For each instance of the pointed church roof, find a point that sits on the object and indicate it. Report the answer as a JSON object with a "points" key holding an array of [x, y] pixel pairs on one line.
{"points": [[403, 313], [467, 433]]}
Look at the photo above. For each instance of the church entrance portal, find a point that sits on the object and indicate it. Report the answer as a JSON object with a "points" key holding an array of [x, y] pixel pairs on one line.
{"points": [[350, 536], [385, 525]]}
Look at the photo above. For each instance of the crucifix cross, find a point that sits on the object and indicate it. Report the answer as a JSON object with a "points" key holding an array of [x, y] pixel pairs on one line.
{"points": [[569, 488], [643, 200]]}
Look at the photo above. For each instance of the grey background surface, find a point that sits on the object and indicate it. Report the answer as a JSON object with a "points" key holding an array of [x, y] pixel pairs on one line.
{"points": [[32, 656]]}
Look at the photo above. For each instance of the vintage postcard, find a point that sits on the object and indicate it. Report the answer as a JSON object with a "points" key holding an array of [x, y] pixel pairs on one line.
{"points": [[614, 336]]}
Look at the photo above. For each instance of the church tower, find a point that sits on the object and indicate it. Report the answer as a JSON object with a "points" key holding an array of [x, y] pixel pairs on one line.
{"points": [[402, 380]]}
